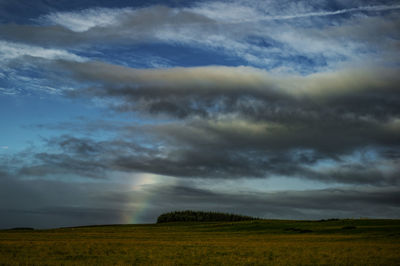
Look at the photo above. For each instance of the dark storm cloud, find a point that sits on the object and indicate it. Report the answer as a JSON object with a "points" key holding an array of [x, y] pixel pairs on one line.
{"points": [[43, 203], [75, 213], [235, 122], [56, 203], [329, 138], [329, 112], [371, 92], [58, 164], [309, 204], [190, 159], [89, 158], [77, 158]]}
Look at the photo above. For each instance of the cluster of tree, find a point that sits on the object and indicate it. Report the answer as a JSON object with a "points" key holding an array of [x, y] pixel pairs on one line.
{"points": [[199, 216]]}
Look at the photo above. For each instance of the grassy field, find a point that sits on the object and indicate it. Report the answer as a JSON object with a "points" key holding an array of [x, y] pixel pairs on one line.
{"points": [[261, 242]]}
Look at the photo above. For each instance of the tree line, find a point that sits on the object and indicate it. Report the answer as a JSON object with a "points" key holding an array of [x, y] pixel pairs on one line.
{"points": [[200, 216]]}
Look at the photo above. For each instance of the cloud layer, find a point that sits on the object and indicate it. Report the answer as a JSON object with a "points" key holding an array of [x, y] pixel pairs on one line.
{"points": [[179, 105]]}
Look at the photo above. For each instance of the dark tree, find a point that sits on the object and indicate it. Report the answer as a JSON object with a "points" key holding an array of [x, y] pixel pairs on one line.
{"points": [[199, 216]]}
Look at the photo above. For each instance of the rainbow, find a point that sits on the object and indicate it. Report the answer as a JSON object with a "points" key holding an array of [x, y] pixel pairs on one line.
{"points": [[140, 201]]}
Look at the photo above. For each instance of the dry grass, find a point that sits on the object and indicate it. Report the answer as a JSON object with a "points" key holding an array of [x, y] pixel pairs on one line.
{"points": [[372, 242]]}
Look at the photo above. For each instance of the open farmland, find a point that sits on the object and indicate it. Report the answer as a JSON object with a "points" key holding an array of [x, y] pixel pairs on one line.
{"points": [[259, 242]]}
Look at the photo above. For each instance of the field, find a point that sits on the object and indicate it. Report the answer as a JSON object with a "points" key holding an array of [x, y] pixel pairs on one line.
{"points": [[261, 242]]}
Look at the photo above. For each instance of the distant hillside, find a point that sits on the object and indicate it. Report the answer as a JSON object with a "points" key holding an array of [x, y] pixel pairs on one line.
{"points": [[199, 216]]}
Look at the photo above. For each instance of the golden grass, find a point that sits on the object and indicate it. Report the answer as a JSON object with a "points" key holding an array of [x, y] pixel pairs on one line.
{"points": [[202, 244]]}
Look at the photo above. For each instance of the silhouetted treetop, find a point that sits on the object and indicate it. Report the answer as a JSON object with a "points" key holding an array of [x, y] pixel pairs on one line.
{"points": [[199, 216]]}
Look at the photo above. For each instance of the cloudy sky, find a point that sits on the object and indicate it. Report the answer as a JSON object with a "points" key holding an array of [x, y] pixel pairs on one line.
{"points": [[117, 111]]}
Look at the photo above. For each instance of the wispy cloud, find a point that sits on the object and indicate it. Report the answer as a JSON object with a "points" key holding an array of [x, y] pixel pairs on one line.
{"points": [[265, 42], [12, 50], [377, 8], [83, 20]]}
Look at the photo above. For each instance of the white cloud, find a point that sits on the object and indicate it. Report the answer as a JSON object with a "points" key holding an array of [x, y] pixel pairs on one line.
{"points": [[243, 11], [226, 12], [14, 61], [324, 13], [11, 50], [251, 32], [83, 20]]}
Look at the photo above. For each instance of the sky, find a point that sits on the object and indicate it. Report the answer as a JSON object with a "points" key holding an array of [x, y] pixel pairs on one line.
{"points": [[114, 112]]}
